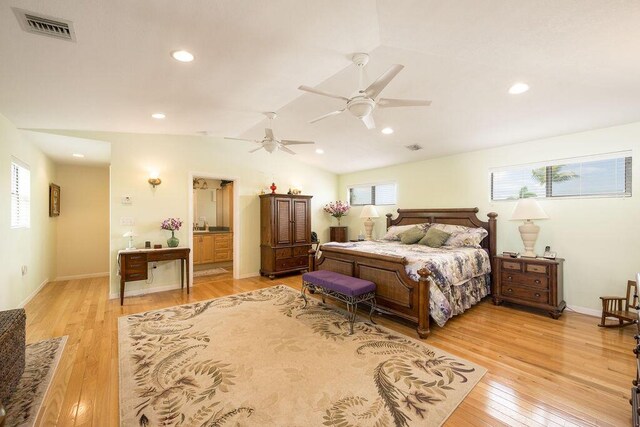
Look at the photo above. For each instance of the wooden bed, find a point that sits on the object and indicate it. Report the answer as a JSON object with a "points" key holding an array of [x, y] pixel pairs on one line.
{"points": [[396, 292]]}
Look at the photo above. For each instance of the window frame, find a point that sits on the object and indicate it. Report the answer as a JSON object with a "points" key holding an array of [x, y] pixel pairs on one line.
{"points": [[627, 155], [19, 197], [373, 193]]}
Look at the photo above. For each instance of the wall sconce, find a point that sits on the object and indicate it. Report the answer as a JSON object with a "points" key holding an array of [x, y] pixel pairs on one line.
{"points": [[154, 179]]}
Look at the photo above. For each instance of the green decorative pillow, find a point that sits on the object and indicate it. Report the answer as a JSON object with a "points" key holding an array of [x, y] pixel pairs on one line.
{"points": [[434, 238], [412, 235]]}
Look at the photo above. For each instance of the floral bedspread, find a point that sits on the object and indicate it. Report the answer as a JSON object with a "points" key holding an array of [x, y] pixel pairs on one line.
{"points": [[461, 275]]}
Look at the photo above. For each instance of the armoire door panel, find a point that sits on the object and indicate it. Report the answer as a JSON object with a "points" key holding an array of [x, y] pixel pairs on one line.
{"points": [[283, 221], [301, 226]]}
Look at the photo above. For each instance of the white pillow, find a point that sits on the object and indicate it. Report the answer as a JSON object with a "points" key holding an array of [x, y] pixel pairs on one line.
{"points": [[395, 230]]}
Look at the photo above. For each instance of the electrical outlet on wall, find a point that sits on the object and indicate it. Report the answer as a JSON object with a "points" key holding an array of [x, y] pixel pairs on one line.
{"points": [[126, 200]]}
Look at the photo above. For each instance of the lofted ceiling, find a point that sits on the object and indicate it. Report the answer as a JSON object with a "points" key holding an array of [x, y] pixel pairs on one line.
{"points": [[579, 57]]}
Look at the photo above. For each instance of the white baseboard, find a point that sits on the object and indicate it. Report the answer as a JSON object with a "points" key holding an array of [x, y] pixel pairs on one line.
{"points": [[81, 276], [145, 291], [585, 310], [33, 294], [247, 275]]}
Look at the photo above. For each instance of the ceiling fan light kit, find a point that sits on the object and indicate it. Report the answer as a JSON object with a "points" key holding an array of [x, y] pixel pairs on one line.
{"points": [[363, 102]]}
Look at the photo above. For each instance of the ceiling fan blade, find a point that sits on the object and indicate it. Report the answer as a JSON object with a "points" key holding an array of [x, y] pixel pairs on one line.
{"points": [[256, 149], [286, 150], [293, 142], [390, 102], [333, 113], [269, 133], [319, 92], [241, 139], [376, 87], [368, 121]]}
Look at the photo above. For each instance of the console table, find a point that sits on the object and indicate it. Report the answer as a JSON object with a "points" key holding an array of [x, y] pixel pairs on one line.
{"points": [[133, 264]]}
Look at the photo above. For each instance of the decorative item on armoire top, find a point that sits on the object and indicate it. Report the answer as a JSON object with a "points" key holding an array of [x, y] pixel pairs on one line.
{"points": [[368, 212], [273, 188], [337, 209], [289, 192], [54, 200], [173, 225]]}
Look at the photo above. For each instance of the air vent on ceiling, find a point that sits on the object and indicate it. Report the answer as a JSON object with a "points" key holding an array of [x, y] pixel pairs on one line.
{"points": [[414, 147], [45, 25]]}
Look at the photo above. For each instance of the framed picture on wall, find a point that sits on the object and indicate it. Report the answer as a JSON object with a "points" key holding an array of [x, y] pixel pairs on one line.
{"points": [[54, 200]]}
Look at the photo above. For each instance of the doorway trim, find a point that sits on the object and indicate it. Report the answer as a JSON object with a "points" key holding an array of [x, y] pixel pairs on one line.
{"points": [[236, 218]]}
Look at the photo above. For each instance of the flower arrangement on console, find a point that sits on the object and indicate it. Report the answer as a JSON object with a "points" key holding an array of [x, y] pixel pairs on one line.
{"points": [[337, 209], [173, 225]]}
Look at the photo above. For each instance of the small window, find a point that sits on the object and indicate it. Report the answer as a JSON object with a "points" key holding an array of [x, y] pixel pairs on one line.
{"points": [[20, 195], [373, 194], [595, 176]]}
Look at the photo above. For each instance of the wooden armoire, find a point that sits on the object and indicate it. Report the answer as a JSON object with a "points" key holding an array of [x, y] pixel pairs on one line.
{"points": [[285, 233]]}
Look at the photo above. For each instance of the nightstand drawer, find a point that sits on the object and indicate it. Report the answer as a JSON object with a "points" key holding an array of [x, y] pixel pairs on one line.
{"points": [[528, 294], [136, 266], [533, 280], [537, 268], [511, 266]]}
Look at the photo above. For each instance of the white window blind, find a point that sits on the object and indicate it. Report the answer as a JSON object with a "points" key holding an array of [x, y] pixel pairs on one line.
{"points": [[605, 175], [20, 195], [372, 194]]}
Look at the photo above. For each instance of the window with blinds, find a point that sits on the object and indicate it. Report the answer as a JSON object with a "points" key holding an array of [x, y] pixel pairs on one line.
{"points": [[20, 195], [607, 175], [372, 194]]}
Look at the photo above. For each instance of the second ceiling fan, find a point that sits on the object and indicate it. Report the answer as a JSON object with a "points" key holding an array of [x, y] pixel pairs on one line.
{"points": [[270, 143], [363, 102]]}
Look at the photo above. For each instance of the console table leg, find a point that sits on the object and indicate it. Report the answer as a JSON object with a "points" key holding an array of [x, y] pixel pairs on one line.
{"points": [[182, 275], [186, 263], [122, 291]]}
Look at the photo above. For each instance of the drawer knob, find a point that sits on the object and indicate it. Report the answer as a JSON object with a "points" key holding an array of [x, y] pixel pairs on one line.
{"points": [[509, 278], [537, 281], [538, 295], [510, 290]]}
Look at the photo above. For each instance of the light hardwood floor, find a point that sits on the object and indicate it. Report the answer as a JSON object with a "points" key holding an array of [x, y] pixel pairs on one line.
{"points": [[541, 371]]}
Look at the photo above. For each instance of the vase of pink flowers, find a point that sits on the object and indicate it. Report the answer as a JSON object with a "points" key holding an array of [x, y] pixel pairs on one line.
{"points": [[337, 209], [173, 225]]}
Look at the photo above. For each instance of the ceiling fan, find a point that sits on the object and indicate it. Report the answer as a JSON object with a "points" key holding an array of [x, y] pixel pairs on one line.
{"points": [[270, 143], [362, 103]]}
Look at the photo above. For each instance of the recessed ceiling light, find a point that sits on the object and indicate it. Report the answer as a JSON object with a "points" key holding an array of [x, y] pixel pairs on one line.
{"points": [[518, 88], [78, 155], [182, 56], [158, 116], [387, 131], [319, 151]]}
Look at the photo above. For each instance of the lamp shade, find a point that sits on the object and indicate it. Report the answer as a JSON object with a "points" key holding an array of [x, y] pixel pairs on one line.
{"points": [[528, 209], [369, 211]]}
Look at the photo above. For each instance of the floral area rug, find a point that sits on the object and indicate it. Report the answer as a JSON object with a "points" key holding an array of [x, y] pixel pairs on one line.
{"points": [[261, 359], [41, 363]]}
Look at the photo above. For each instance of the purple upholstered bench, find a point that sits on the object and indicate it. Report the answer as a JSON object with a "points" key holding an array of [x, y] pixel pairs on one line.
{"points": [[347, 289]]}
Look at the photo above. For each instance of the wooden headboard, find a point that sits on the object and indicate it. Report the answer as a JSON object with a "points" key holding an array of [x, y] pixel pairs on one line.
{"points": [[457, 216]]}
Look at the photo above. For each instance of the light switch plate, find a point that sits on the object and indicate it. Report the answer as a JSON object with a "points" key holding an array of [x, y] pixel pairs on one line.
{"points": [[126, 200], [127, 220]]}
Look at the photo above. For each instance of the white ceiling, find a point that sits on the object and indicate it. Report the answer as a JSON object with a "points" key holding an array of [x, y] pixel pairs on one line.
{"points": [[61, 148], [579, 57]]}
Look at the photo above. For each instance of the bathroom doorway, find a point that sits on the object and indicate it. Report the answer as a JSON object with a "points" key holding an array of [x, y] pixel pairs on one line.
{"points": [[212, 222]]}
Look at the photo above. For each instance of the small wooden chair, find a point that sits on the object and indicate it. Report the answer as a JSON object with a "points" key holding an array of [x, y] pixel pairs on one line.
{"points": [[621, 307]]}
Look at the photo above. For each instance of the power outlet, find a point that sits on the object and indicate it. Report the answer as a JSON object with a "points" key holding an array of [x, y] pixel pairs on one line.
{"points": [[154, 265], [24, 270]]}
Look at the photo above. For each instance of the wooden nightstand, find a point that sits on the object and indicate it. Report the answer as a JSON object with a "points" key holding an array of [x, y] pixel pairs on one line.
{"points": [[530, 281]]}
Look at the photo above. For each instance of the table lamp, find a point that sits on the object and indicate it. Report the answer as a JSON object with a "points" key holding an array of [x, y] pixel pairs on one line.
{"points": [[528, 210], [130, 234], [368, 212]]}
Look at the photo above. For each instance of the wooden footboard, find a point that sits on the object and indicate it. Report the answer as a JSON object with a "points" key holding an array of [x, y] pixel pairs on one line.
{"points": [[396, 292]]}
